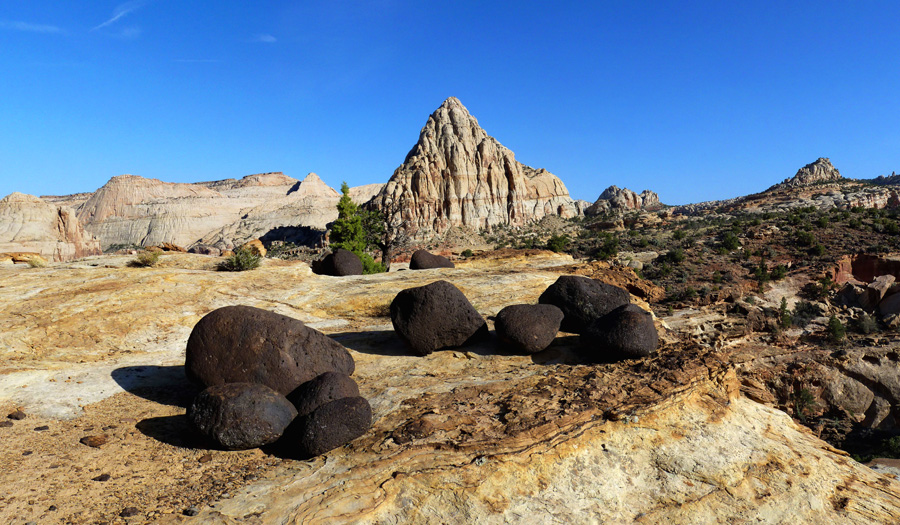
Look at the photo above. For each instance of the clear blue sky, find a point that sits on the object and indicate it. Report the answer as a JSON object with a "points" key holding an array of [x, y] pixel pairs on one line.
{"points": [[695, 100]]}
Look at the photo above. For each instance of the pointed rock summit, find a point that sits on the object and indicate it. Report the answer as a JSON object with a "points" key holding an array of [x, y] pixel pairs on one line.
{"points": [[458, 175], [614, 198], [819, 171]]}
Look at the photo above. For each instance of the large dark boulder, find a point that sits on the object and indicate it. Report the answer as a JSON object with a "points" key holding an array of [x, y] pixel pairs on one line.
{"points": [[435, 316], [338, 263], [528, 328], [627, 332], [242, 344], [327, 427], [241, 415], [324, 389], [583, 300], [422, 260]]}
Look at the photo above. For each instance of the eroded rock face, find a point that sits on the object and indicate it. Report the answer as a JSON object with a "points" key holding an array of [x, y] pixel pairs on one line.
{"points": [[819, 171], [627, 332], [435, 316], [583, 300], [623, 199], [458, 175], [28, 224], [528, 328], [241, 415], [237, 344], [423, 260]]}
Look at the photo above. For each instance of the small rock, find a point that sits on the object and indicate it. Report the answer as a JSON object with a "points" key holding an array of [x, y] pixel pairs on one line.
{"points": [[41, 428], [101, 477], [191, 511], [241, 415], [17, 415], [5, 424], [324, 389], [94, 441], [205, 458], [128, 512], [423, 260], [52, 508], [27, 453]]}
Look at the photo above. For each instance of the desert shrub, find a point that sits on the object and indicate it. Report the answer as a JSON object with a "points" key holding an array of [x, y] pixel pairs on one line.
{"points": [[558, 243], [804, 312], [854, 223], [778, 272], [784, 315], [644, 242], [675, 256], [467, 253], [756, 222], [835, 330], [717, 277], [866, 324], [817, 251], [805, 238], [608, 249], [241, 260], [36, 262], [822, 222], [369, 264], [891, 227], [678, 235], [730, 241], [145, 259], [803, 402]]}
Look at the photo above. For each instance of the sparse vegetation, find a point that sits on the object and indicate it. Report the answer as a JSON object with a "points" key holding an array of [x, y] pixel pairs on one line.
{"points": [[242, 259], [145, 259]]}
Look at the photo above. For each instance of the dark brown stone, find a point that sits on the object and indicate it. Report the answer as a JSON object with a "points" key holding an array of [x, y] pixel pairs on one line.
{"points": [[328, 427], [339, 263], [324, 389], [18, 415], [242, 344], [241, 415], [423, 260], [627, 332], [583, 300], [94, 441], [528, 328], [435, 316]]}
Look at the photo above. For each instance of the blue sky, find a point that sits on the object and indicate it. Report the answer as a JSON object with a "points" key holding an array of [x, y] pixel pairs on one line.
{"points": [[694, 100]]}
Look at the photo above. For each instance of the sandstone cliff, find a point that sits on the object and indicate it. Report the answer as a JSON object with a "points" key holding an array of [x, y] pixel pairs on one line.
{"points": [[458, 175], [623, 199], [819, 171], [29, 224]]}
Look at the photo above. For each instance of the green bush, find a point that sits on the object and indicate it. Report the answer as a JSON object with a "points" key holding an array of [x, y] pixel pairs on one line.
{"points": [[804, 312], [817, 250], [730, 241], [866, 324], [784, 315], [678, 235], [608, 249], [805, 238], [467, 253], [241, 260], [145, 259], [558, 243], [835, 330], [778, 272], [675, 256]]}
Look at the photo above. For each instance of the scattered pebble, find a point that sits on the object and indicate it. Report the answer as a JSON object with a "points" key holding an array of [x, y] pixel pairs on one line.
{"points": [[41, 428], [52, 508], [191, 511], [205, 458], [127, 512], [4, 424], [102, 477], [17, 415], [94, 441], [27, 453]]}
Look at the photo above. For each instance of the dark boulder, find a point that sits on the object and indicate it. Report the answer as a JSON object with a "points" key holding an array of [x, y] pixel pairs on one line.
{"points": [[627, 332], [422, 260], [528, 328], [339, 263], [324, 389], [327, 427], [583, 300], [435, 316], [241, 415], [242, 344]]}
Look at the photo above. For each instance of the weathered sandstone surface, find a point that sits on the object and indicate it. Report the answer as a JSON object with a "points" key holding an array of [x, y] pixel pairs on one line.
{"points": [[29, 224], [459, 436], [819, 171], [614, 198], [458, 175]]}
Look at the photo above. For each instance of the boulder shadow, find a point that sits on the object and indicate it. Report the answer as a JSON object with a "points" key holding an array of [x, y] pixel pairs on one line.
{"points": [[176, 431], [564, 350], [166, 385], [374, 342]]}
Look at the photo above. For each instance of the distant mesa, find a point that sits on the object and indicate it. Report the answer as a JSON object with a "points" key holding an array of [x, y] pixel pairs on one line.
{"points": [[819, 171], [615, 199], [459, 176], [29, 224]]}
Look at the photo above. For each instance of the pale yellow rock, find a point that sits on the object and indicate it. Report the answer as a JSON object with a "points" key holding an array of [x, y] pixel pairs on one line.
{"points": [[29, 224]]}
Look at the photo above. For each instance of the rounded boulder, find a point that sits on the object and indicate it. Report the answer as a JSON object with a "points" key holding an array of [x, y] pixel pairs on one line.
{"points": [[328, 427], [243, 344], [339, 263], [627, 332], [583, 300], [528, 328], [241, 415], [435, 316], [322, 390], [423, 260]]}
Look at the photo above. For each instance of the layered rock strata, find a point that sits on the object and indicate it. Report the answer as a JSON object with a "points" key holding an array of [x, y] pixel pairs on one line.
{"points": [[29, 224], [458, 175]]}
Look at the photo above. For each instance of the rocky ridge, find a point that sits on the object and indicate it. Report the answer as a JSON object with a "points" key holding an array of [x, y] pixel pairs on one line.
{"points": [[819, 171], [30, 224], [623, 199], [458, 176]]}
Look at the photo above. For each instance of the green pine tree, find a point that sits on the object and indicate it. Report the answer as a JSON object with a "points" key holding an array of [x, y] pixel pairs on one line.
{"points": [[349, 231]]}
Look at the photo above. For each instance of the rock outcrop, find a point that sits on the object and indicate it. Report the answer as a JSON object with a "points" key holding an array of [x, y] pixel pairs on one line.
{"points": [[614, 198], [819, 171], [458, 175], [29, 224]]}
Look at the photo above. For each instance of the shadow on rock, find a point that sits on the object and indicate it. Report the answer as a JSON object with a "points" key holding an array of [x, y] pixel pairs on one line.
{"points": [[174, 430], [376, 342], [166, 385], [564, 350]]}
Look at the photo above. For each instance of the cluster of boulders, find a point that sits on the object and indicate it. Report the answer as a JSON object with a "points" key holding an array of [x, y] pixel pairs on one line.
{"points": [[881, 295], [438, 316], [269, 378]]}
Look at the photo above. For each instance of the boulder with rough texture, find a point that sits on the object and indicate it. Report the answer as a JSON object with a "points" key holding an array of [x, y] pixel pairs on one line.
{"points": [[528, 328], [241, 415], [338, 263], [435, 316], [237, 344], [28, 224], [328, 427], [325, 388], [583, 300], [627, 332], [458, 176], [423, 260]]}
